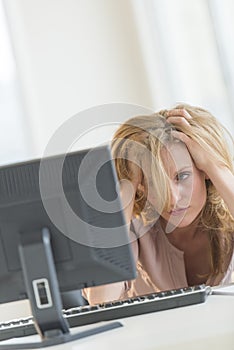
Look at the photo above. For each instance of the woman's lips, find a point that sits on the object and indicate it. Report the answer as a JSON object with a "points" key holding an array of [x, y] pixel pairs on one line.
{"points": [[177, 212]]}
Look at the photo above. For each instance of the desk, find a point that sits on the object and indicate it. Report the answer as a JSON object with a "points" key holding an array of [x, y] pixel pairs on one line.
{"points": [[205, 326]]}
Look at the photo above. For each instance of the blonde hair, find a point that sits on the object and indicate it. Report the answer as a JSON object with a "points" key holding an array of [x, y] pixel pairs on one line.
{"points": [[151, 133]]}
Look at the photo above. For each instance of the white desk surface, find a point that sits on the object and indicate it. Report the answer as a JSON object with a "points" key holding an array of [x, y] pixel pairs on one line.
{"points": [[209, 325]]}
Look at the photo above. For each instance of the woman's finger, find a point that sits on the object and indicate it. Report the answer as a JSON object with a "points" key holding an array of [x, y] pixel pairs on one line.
{"points": [[179, 112], [182, 137], [178, 121]]}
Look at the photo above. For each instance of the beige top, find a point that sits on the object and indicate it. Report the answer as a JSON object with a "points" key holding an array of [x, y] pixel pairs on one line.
{"points": [[161, 265]]}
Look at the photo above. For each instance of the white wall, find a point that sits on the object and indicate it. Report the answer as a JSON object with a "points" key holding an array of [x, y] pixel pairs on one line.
{"points": [[76, 54], [72, 55]]}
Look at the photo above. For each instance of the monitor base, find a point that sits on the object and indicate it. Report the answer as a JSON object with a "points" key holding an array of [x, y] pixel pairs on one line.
{"points": [[61, 339]]}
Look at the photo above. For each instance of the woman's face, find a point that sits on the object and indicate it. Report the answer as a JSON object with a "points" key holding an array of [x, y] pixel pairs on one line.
{"points": [[187, 186]]}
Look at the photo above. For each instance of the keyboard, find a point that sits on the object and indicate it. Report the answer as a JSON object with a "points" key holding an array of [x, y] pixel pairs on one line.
{"points": [[89, 314]]}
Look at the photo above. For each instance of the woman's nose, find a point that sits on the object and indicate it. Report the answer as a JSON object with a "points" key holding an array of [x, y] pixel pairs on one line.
{"points": [[175, 192]]}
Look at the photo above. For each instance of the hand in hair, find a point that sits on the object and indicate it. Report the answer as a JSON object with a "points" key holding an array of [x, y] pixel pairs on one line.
{"points": [[180, 118], [219, 174]]}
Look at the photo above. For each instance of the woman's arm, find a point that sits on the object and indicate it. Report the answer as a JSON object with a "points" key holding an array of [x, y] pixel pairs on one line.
{"points": [[223, 180], [101, 294]]}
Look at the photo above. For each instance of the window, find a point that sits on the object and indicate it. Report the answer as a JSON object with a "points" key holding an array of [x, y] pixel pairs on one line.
{"points": [[188, 53]]}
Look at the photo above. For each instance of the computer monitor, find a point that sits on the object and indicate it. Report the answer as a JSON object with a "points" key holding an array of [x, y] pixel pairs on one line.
{"points": [[62, 228]]}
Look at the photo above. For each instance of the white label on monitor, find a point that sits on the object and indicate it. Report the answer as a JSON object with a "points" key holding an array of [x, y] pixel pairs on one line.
{"points": [[42, 293]]}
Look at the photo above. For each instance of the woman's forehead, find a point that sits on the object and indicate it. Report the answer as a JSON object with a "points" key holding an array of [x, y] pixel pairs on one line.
{"points": [[175, 156]]}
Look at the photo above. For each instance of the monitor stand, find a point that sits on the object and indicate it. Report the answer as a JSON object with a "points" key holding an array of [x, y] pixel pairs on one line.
{"points": [[72, 299], [44, 296]]}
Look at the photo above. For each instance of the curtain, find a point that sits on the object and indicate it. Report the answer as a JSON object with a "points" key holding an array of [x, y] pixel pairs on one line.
{"points": [[188, 53]]}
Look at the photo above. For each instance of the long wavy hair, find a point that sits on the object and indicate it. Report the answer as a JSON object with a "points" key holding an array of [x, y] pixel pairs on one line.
{"points": [[146, 136]]}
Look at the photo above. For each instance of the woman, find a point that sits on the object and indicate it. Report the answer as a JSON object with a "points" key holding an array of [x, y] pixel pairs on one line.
{"points": [[177, 185]]}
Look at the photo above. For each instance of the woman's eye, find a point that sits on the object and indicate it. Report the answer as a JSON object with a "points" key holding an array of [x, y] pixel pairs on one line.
{"points": [[182, 176]]}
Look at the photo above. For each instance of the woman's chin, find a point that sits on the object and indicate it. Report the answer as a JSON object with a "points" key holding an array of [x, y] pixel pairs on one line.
{"points": [[173, 223]]}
